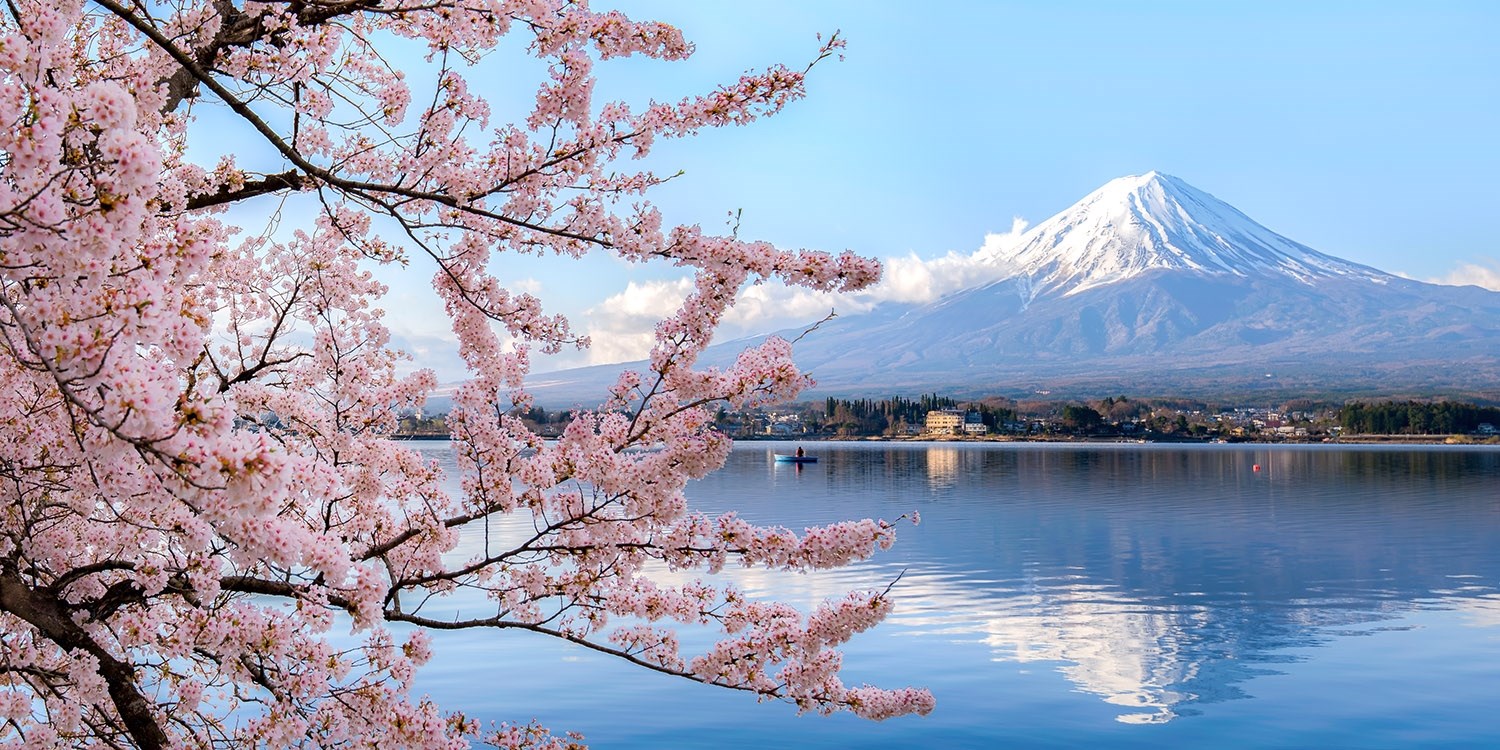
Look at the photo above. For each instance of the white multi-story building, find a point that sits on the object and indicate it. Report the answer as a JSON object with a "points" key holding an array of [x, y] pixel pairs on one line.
{"points": [[945, 422]]}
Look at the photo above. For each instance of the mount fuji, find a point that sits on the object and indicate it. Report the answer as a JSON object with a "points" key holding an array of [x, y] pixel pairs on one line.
{"points": [[1151, 286], [1154, 222]]}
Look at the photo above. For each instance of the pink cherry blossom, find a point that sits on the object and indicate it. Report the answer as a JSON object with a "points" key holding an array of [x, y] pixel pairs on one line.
{"points": [[195, 418]]}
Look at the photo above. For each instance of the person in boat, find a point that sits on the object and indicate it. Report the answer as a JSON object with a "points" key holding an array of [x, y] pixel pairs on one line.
{"points": [[800, 452]]}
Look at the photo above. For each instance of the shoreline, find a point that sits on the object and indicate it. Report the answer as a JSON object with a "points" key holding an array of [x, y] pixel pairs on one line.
{"points": [[1417, 440], [1349, 440]]}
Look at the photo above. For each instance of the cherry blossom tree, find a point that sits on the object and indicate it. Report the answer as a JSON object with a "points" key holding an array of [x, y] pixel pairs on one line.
{"points": [[197, 474]]}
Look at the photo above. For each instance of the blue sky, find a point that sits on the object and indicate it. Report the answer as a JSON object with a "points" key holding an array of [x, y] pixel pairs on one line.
{"points": [[1366, 130]]}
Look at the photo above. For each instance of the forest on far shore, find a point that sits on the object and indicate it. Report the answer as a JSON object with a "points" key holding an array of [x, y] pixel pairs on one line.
{"points": [[1111, 416], [1417, 418]]}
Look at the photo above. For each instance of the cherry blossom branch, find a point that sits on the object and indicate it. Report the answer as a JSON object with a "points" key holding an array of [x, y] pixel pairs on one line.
{"points": [[48, 616], [273, 183], [192, 426]]}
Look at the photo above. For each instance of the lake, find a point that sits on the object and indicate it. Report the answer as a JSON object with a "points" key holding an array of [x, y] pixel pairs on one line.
{"points": [[1090, 595]]}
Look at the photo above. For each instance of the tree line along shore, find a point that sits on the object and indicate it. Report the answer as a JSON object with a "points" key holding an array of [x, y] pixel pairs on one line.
{"points": [[937, 417]]}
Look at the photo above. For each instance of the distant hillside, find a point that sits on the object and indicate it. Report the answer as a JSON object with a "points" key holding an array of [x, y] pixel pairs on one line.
{"points": [[1149, 285]]}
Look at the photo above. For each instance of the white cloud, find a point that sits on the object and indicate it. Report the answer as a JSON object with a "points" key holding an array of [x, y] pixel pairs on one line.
{"points": [[621, 326], [998, 244], [909, 279], [774, 306], [1484, 274], [912, 279]]}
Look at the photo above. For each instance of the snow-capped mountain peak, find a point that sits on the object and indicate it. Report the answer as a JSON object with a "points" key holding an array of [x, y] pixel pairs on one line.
{"points": [[1142, 223], [1149, 285]]}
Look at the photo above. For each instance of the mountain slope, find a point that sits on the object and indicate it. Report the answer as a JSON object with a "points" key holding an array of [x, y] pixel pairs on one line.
{"points": [[1149, 285], [1156, 222]]}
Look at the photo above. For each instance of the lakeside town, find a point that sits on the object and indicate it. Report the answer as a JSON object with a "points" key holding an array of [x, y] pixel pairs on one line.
{"points": [[934, 417]]}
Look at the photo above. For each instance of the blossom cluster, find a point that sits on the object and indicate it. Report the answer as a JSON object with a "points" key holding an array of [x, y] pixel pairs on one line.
{"points": [[199, 483]]}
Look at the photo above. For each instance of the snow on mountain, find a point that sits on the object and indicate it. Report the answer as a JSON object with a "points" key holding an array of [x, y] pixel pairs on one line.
{"points": [[1133, 225], [1149, 285]]}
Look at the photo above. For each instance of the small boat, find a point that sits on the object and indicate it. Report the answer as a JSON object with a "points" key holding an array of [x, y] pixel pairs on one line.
{"points": [[783, 458]]}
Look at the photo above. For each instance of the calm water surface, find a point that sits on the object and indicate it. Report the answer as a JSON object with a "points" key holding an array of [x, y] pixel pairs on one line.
{"points": [[1091, 596]]}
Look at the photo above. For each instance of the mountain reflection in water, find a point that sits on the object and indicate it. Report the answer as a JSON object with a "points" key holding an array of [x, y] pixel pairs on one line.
{"points": [[1159, 578], [1081, 595]]}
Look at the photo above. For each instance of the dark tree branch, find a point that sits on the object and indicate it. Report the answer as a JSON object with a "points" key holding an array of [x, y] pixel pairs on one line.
{"points": [[240, 29], [51, 619], [271, 183], [361, 188]]}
